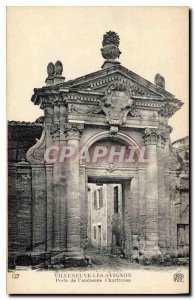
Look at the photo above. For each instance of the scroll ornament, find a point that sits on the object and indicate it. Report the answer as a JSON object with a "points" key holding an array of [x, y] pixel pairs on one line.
{"points": [[35, 155]]}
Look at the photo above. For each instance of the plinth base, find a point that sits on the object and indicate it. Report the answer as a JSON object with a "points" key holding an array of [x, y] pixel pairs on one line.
{"points": [[151, 256], [49, 259], [109, 63], [75, 259]]}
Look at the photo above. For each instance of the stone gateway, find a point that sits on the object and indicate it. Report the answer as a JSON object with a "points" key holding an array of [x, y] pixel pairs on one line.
{"points": [[132, 207]]}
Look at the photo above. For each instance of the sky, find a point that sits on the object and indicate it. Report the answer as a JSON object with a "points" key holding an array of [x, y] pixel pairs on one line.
{"points": [[152, 40]]}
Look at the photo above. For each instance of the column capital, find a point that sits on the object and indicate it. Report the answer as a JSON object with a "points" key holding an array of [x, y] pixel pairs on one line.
{"points": [[55, 130], [155, 136], [73, 130]]}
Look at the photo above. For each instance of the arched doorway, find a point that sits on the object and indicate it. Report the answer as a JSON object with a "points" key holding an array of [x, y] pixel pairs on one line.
{"points": [[111, 180]]}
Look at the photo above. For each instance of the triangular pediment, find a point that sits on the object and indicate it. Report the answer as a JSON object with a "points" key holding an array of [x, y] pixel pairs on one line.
{"points": [[100, 80]]}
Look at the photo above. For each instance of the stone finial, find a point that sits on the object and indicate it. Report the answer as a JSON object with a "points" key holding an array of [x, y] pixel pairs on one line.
{"points": [[58, 68], [58, 78], [50, 69], [159, 81], [50, 72], [110, 50], [111, 38]]}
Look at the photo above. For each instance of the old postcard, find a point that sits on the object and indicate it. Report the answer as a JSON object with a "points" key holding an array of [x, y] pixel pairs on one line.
{"points": [[98, 150]]}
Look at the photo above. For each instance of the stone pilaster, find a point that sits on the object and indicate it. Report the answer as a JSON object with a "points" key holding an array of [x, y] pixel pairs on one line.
{"points": [[152, 237], [63, 194], [83, 205], [126, 212], [49, 195], [73, 132], [161, 191], [174, 212], [134, 211], [142, 207], [48, 120], [55, 132], [167, 190], [167, 210], [35, 156]]}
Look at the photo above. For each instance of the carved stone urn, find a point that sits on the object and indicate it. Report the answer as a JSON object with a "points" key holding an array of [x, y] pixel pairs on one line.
{"points": [[110, 50]]}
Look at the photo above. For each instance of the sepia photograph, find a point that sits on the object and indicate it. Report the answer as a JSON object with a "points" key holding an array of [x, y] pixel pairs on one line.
{"points": [[98, 150]]}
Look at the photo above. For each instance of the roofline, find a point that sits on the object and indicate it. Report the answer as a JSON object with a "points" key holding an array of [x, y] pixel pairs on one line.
{"points": [[132, 75]]}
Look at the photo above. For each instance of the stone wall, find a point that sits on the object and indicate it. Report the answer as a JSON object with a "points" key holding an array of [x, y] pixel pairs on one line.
{"points": [[179, 196], [20, 208], [21, 136], [31, 203]]}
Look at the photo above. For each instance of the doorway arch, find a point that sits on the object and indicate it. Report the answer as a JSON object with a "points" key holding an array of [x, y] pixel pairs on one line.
{"points": [[106, 134]]}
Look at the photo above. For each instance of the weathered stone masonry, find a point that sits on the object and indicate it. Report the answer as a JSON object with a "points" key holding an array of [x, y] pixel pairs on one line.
{"points": [[48, 207]]}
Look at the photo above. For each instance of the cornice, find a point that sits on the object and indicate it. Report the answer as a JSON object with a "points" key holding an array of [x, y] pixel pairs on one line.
{"points": [[99, 80], [118, 69]]}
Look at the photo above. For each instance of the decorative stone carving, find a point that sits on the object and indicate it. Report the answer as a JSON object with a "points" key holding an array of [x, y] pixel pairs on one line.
{"points": [[110, 50], [145, 114], [73, 130], [167, 110], [111, 167], [137, 90], [159, 81], [55, 130], [50, 69], [50, 72], [82, 98], [35, 155], [148, 104], [84, 109], [50, 99], [113, 130], [111, 38], [58, 68], [58, 78], [134, 112], [117, 103], [155, 136], [174, 163]]}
